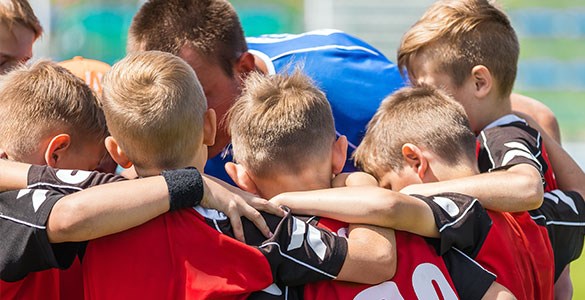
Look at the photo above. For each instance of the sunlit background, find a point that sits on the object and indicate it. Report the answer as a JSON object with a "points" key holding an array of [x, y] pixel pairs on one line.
{"points": [[552, 38]]}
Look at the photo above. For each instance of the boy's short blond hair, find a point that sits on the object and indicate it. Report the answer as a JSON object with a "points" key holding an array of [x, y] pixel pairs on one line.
{"points": [[280, 122], [19, 12], [154, 107], [43, 99], [461, 34], [423, 116]]}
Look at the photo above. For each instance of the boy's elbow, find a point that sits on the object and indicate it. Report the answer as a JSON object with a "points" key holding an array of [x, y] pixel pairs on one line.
{"points": [[528, 182], [384, 267], [64, 223], [535, 193], [388, 208]]}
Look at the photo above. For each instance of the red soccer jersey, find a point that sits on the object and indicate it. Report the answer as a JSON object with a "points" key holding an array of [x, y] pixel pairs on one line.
{"points": [[180, 256], [43, 285], [516, 248], [153, 261], [507, 142], [420, 274]]}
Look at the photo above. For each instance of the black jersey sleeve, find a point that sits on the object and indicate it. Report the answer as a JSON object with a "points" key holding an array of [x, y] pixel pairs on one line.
{"points": [[511, 144], [298, 252], [470, 279], [462, 222], [563, 214], [67, 181], [25, 245]]}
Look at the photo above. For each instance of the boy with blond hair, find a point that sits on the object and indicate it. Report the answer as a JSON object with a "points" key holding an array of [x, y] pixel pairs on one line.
{"points": [[19, 28], [50, 117], [470, 49], [421, 148], [266, 124]]}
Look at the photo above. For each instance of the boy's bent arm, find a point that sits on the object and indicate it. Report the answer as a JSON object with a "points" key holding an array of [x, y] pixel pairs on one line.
{"points": [[13, 175], [371, 255], [364, 205], [114, 207], [518, 188], [107, 209]]}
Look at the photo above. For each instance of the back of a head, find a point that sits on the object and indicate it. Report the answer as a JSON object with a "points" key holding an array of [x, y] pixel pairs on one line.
{"points": [[210, 27], [423, 116], [43, 99], [461, 34], [154, 107], [281, 122], [19, 12]]}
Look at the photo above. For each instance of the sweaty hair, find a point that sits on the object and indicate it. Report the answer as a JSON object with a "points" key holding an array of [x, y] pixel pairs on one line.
{"points": [[460, 34], [43, 99], [210, 27], [19, 12], [280, 122], [155, 107], [423, 116]]}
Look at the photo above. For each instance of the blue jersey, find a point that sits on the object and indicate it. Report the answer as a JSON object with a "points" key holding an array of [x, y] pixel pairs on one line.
{"points": [[354, 76]]}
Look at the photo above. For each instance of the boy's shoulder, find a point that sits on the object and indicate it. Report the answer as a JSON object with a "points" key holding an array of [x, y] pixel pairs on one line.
{"points": [[510, 127], [509, 141]]}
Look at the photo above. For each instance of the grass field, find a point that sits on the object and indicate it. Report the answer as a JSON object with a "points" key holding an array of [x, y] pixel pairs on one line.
{"points": [[568, 107], [578, 276]]}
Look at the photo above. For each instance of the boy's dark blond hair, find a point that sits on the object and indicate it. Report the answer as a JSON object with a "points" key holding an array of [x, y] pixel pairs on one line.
{"points": [[461, 34], [210, 27], [280, 122], [19, 12], [423, 116], [155, 107], [42, 100]]}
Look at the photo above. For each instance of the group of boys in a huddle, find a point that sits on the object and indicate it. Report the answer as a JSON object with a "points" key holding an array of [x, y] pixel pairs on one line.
{"points": [[456, 198]]}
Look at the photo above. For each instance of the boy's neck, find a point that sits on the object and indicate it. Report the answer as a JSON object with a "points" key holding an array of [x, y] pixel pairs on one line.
{"points": [[271, 186], [146, 171], [493, 110]]}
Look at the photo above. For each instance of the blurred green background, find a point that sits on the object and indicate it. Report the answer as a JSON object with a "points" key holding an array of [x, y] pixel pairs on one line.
{"points": [[552, 38]]}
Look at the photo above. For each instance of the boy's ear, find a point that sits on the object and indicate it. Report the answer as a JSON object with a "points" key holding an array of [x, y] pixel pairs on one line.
{"points": [[239, 174], [415, 160], [57, 149], [338, 154], [209, 127], [117, 154], [245, 64], [482, 79]]}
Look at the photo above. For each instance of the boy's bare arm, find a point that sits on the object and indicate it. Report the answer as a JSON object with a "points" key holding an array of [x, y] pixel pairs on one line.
{"points": [[107, 209], [369, 248], [498, 292], [354, 179], [89, 215], [364, 205], [114, 207], [13, 175], [516, 189]]}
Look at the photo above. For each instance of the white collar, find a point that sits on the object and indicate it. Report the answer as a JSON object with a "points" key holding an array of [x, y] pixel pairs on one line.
{"points": [[507, 119]]}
